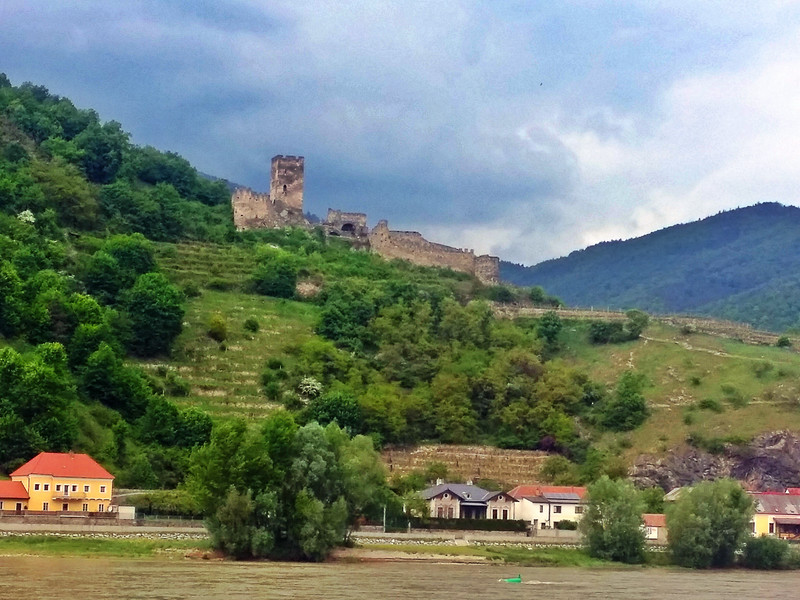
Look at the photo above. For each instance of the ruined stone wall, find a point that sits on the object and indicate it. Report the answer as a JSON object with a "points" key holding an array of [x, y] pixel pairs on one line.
{"points": [[411, 246], [487, 268], [286, 181], [252, 210], [346, 223]]}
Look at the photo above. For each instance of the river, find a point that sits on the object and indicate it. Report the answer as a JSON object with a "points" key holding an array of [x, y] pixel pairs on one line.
{"points": [[90, 578]]}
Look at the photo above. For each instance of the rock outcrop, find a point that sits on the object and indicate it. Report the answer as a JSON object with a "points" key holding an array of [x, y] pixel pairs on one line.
{"points": [[771, 461]]}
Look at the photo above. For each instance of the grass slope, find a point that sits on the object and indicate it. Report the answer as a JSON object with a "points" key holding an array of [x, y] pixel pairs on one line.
{"points": [[749, 389]]}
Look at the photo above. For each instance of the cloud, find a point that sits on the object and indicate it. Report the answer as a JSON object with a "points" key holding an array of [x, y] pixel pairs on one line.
{"points": [[484, 125]]}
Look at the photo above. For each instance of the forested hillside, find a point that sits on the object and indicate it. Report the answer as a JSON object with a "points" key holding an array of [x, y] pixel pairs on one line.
{"points": [[741, 265], [137, 325]]}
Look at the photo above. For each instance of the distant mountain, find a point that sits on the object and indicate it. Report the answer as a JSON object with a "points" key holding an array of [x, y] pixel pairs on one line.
{"points": [[742, 265]]}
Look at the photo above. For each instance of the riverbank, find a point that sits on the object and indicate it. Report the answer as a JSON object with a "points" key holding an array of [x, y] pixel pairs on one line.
{"points": [[134, 547]]}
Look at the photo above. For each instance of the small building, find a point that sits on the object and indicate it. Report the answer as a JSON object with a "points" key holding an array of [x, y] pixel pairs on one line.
{"points": [[777, 514], [13, 496], [655, 528], [467, 501], [545, 505], [69, 482]]}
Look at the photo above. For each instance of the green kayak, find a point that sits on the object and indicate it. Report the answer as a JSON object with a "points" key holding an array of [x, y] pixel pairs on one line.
{"points": [[517, 579]]}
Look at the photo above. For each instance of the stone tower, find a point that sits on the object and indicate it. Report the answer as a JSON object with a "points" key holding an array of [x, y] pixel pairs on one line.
{"points": [[286, 182]]}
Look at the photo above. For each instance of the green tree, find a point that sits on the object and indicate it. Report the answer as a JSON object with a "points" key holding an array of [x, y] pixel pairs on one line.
{"points": [[336, 407], [708, 524], [102, 148], [155, 307], [549, 326], [765, 553], [627, 409], [276, 276], [612, 525], [635, 323]]}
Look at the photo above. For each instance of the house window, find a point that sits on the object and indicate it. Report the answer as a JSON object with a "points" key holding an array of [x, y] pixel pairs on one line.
{"points": [[100, 508], [36, 487], [65, 506], [45, 506], [58, 487], [1, 505], [85, 507], [74, 488], [102, 489], [46, 487], [578, 510], [494, 513], [449, 512], [752, 527], [505, 514], [541, 508], [440, 512], [772, 527], [86, 489], [446, 496], [557, 509]]}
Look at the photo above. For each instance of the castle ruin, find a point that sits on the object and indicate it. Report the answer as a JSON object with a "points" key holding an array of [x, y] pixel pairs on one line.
{"points": [[283, 207]]}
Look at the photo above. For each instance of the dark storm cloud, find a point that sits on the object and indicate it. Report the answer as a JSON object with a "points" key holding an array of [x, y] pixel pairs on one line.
{"points": [[528, 129]]}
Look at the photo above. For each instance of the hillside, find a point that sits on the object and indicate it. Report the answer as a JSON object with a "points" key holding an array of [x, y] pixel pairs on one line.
{"points": [[136, 324], [740, 265]]}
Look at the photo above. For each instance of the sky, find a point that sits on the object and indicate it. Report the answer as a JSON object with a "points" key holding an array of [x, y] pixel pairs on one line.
{"points": [[522, 129]]}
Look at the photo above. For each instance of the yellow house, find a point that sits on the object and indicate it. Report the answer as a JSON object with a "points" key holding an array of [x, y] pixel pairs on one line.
{"points": [[58, 481], [777, 514]]}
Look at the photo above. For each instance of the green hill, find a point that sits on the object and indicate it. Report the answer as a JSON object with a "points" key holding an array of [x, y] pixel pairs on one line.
{"points": [[135, 323], [741, 265]]}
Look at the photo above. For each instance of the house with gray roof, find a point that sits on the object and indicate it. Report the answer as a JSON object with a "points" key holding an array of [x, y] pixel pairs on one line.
{"points": [[467, 501], [777, 514]]}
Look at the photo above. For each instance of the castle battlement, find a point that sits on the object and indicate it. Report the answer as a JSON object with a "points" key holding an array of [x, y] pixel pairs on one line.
{"points": [[283, 207]]}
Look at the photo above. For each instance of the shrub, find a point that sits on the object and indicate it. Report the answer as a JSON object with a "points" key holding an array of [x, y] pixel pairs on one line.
{"points": [[177, 385], [784, 342], [221, 285], [217, 327], [762, 368], [566, 525], [711, 404], [191, 289], [251, 324], [734, 396], [765, 553]]}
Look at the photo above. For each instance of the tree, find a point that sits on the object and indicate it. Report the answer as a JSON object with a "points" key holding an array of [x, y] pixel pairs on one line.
{"points": [[613, 526], [708, 524], [156, 311], [549, 326], [627, 409], [276, 276], [337, 407], [635, 323], [765, 553], [103, 147]]}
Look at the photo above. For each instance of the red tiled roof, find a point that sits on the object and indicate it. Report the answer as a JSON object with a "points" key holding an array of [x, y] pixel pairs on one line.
{"points": [[793, 491], [654, 520], [13, 490], [62, 464], [522, 491]]}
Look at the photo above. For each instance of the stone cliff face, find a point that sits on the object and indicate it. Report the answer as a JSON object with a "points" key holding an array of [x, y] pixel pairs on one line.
{"points": [[770, 462]]}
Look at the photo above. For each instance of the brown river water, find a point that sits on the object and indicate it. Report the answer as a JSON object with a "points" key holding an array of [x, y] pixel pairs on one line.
{"points": [[89, 578]]}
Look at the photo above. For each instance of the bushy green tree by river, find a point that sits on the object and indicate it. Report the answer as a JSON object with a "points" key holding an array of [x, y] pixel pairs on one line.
{"points": [[285, 491]]}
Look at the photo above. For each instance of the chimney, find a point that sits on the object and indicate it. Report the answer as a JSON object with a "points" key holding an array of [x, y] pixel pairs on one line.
{"points": [[439, 481]]}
